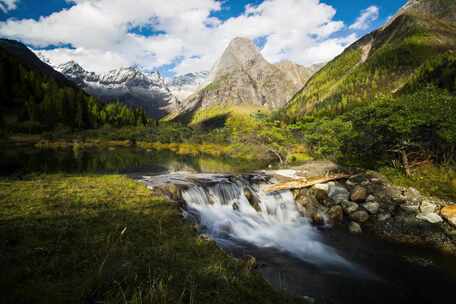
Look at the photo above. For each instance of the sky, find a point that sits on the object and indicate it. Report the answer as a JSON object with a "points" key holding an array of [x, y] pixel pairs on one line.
{"points": [[183, 36]]}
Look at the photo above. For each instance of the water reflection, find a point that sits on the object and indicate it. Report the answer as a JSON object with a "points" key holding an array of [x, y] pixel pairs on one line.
{"points": [[27, 160]]}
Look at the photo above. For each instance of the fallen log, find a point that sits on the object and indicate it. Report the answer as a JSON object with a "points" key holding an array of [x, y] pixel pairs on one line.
{"points": [[304, 183]]}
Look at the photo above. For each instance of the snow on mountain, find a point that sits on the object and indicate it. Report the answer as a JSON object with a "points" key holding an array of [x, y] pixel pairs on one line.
{"points": [[129, 85], [185, 85]]}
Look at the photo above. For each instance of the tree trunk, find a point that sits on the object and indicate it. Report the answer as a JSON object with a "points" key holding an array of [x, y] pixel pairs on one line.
{"points": [[277, 154], [405, 163]]}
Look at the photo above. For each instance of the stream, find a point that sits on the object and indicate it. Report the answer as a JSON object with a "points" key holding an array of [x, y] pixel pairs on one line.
{"points": [[326, 264]]}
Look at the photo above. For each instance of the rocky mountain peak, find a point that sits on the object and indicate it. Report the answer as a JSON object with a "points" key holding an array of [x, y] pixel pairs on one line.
{"points": [[71, 67], [242, 77], [240, 54], [243, 48], [444, 9]]}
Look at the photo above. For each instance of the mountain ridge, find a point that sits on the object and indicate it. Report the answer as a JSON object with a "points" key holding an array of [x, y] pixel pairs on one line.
{"points": [[130, 85], [382, 61]]}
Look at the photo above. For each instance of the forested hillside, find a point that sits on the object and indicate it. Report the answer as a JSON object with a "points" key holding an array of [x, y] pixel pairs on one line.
{"points": [[382, 62], [35, 98], [416, 124]]}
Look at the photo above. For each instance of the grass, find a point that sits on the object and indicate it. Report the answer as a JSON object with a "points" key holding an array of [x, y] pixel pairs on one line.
{"points": [[226, 112], [107, 239], [439, 181], [220, 150]]}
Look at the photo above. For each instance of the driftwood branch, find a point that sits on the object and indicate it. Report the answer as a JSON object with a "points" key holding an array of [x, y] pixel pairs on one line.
{"points": [[304, 183]]}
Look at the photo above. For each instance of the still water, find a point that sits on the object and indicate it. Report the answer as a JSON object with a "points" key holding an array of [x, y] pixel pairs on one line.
{"points": [[16, 161]]}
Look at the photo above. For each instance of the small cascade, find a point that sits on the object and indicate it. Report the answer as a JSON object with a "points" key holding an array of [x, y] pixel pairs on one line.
{"points": [[234, 212]]}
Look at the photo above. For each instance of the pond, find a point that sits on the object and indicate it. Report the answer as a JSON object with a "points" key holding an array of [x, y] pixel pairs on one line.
{"points": [[22, 160]]}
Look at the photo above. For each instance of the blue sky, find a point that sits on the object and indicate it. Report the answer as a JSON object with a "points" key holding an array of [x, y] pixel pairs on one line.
{"points": [[178, 36]]}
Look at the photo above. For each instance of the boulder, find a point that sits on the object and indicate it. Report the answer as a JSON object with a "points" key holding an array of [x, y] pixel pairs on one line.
{"points": [[427, 207], [320, 191], [307, 205], [338, 193], [360, 216], [318, 219], [322, 187], [358, 179], [410, 208], [383, 217], [432, 218], [253, 199], [336, 215], [359, 194], [413, 196], [355, 228], [396, 195], [371, 198], [349, 207], [449, 214], [372, 207], [172, 191]]}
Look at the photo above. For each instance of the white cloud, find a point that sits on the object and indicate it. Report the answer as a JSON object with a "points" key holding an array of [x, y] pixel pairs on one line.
{"points": [[100, 32], [366, 18], [8, 5]]}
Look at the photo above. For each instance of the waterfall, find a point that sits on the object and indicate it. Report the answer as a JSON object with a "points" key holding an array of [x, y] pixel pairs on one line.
{"points": [[265, 220]]}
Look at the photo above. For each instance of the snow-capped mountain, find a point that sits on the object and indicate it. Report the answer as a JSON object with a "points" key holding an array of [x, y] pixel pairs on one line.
{"points": [[129, 85], [185, 85]]}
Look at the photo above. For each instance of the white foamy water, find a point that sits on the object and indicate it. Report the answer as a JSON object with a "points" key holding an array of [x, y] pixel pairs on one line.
{"points": [[228, 217]]}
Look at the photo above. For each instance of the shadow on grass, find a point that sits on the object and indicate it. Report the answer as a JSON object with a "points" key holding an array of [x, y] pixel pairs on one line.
{"points": [[74, 242]]}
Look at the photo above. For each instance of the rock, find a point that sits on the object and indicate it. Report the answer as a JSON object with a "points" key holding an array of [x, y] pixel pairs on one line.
{"points": [[309, 300], [409, 208], [172, 191], [204, 237], [370, 198], [383, 217], [449, 213], [320, 191], [427, 207], [253, 199], [395, 194], [249, 263], [318, 219], [412, 195], [359, 194], [336, 215], [372, 207], [338, 193], [323, 187], [360, 216], [432, 218], [355, 228], [349, 207], [307, 205], [358, 180]]}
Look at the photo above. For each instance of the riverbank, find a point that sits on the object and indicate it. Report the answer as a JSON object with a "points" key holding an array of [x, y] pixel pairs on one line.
{"points": [[81, 141], [106, 238], [367, 201]]}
